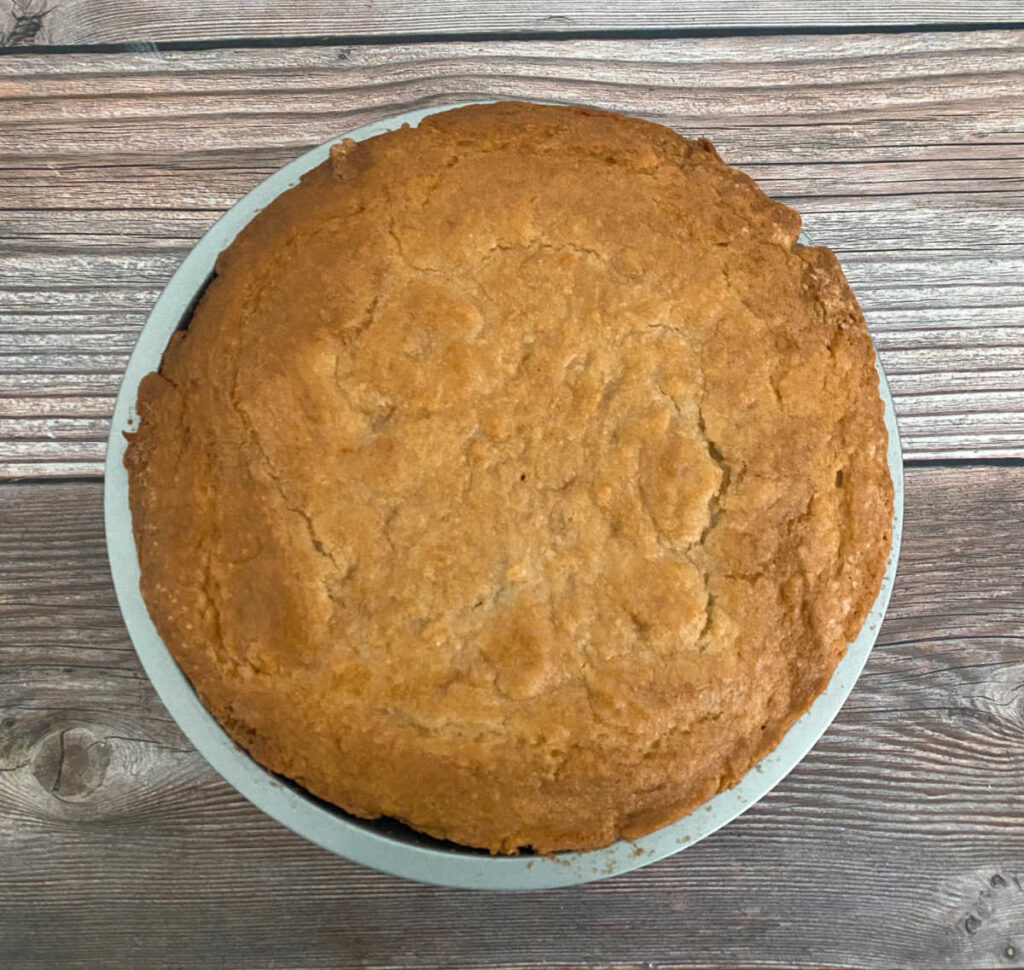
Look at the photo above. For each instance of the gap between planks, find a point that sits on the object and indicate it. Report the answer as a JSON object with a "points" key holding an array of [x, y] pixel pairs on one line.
{"points": [[206, 22]]}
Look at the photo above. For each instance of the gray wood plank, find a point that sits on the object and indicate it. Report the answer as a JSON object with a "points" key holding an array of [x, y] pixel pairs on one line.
{"points": [[904, 152], [899, 841], [161, 21]]}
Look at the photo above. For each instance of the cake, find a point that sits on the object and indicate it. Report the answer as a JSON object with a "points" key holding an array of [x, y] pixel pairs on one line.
{"points": [[518, 476]]}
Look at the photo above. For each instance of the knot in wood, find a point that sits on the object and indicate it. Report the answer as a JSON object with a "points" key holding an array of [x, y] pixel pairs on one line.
{"points": [[71, 763]]}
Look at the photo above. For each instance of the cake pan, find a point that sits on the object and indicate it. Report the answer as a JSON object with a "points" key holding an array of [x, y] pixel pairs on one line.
{"points": [[383, 844]]}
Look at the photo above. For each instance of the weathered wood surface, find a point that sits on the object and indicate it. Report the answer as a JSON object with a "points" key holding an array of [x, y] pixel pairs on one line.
{"points": [[904, 152], [899, 841], [40, 22]]}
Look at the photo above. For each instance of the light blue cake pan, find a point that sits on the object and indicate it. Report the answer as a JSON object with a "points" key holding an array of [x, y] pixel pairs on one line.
{"points": [[387, 846]]}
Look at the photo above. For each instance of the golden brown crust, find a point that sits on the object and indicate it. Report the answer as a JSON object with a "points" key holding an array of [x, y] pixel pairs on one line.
{"points": [[518, 476]]}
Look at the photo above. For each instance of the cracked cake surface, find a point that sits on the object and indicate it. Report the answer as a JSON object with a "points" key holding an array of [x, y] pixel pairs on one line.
{"points": [[518, 476]]}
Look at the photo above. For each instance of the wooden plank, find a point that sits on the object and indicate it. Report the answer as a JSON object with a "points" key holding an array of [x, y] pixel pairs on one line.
{"points": [[162, 21], [904, 152], [899, 841]]}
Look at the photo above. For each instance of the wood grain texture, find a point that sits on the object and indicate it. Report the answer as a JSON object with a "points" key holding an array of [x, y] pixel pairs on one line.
{"points": [[162, 21], [904, 152], [899, 841]]}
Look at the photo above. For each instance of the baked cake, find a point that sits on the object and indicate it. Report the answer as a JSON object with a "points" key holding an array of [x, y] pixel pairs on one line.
{"points": [[518, 476]]}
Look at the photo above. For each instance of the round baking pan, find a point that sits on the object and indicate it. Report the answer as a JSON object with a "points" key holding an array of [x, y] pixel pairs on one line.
{"points": [[385, 844]]}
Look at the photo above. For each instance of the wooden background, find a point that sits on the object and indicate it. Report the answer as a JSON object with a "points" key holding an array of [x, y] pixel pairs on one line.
{"points": [[128, 126]]}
